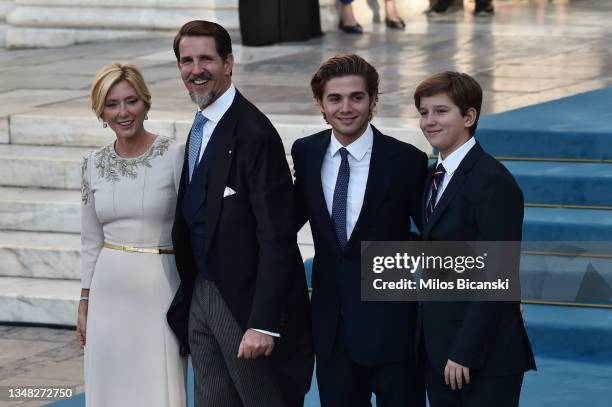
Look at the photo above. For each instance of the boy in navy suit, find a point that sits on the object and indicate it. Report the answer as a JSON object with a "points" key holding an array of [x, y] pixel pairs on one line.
{"points": [[474, 353], [355, 184]]}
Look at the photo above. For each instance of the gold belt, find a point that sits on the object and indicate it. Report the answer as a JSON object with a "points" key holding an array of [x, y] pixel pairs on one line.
{"points": [[151, 250]]}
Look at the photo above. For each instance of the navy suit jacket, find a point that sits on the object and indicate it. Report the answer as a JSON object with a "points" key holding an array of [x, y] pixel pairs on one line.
{"points": [[482, 202], [376, 332], [250, 243]]}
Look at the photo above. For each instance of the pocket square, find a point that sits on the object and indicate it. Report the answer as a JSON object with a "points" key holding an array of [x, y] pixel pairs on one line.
{"points": [[228, 192]]}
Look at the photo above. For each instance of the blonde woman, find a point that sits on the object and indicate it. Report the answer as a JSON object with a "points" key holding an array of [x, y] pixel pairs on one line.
{"points": [[128, 273]]}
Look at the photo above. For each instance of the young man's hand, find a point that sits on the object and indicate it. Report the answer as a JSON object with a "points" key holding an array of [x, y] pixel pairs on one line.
{"points": [[454, 374]]}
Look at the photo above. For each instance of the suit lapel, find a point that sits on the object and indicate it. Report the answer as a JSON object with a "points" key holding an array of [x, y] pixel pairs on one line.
{"points": [[315, 185], [184, 182], [376, 186], [224, 137], [453, 187]]}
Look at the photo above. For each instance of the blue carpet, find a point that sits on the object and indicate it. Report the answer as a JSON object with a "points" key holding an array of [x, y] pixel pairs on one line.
{"points": [[567, 383], [563, 224], [567, 279], [563, 183], [578, 126], [573, 348], [571, 333]]}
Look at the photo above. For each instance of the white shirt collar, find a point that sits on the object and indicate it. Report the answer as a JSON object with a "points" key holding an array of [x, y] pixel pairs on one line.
{"points": [[215, 111], [451, 163], [357, 148]]}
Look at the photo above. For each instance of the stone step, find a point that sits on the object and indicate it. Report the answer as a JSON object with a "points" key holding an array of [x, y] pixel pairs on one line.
{"points": [[41, 166], [566, 225], [37, 300], [563, 183], [35, 23], [39, 255], [80, 129], [3, 29], [39, 210], [56, 255]]}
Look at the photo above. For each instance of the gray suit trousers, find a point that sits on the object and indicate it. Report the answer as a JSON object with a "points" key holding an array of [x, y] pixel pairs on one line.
{"points": [[221, 379]]}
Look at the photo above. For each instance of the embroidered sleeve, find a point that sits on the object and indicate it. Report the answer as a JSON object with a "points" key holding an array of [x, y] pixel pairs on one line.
{"points": [[92, 235], [84, 182]]}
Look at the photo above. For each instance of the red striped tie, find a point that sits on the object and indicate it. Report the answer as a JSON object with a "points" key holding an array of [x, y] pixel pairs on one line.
{"points": [[435, 185]]}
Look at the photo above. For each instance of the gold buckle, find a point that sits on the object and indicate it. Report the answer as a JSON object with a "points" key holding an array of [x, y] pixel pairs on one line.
{"points": [[150, 250]]}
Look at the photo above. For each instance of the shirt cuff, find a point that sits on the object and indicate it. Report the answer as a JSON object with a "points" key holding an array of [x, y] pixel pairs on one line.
{"points": [[274, 334]]}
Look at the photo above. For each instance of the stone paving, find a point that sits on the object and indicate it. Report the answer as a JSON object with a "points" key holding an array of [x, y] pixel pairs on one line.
{"points": [[528, 52], [35, 356], [525, 54]]}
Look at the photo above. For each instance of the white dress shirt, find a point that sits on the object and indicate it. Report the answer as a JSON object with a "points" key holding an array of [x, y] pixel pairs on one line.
{"points": [[214, 112], [360, 152], [450, 164]]}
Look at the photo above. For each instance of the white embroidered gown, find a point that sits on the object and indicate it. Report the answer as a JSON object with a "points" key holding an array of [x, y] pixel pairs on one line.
{"points": [[131, 354]]}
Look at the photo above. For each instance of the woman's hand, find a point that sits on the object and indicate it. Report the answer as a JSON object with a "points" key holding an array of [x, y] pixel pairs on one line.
{"points": [[82, 321]]}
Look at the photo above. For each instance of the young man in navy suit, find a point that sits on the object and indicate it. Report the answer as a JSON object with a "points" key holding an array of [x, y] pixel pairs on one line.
{"points": [[474, 353], [355, 184]]}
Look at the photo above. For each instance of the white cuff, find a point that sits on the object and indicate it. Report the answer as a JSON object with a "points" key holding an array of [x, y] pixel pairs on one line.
{"points": [[274, 334]]}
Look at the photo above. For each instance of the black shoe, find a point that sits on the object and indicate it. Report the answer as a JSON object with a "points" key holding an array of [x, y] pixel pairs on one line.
{"points": [[440, 6], [350, 29], [484, 7], [396, 25]]}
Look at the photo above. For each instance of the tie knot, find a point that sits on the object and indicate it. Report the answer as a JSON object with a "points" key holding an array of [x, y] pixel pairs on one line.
{"points": [[200, 119], [440, 170], [343, 152]]}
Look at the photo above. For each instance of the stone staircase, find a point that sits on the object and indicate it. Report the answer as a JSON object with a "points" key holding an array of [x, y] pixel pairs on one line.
{"points": [[5, 7], [561, 156], [40, 164], [567, 198]]}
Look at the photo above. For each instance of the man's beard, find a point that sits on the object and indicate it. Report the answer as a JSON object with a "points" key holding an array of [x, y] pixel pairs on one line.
{"points": [[206, 99], [203, 100]]}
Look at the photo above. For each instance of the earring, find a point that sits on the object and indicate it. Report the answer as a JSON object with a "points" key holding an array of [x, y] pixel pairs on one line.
{"points": [[146, 116], [104, 124]]}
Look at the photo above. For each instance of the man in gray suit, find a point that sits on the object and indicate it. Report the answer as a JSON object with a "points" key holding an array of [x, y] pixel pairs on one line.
{"points": [[242, 307]]}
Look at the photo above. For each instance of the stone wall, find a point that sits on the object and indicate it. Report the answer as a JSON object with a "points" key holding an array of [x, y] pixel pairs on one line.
{"points": [[5, 7], [57, 23]]}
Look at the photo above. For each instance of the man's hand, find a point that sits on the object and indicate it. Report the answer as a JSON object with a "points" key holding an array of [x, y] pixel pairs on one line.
{"points": [[454, 373], [255, 344]]}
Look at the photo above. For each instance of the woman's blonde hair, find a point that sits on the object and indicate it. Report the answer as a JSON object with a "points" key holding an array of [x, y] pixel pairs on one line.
{"points": [[109, 76]]}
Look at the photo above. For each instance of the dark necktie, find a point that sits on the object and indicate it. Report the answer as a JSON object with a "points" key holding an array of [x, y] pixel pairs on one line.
{"points": [[438, 176], [195, 141], [339, 202]]}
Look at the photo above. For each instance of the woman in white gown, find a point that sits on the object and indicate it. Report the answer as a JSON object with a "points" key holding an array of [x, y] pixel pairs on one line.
{"points": [[128, 273]]}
